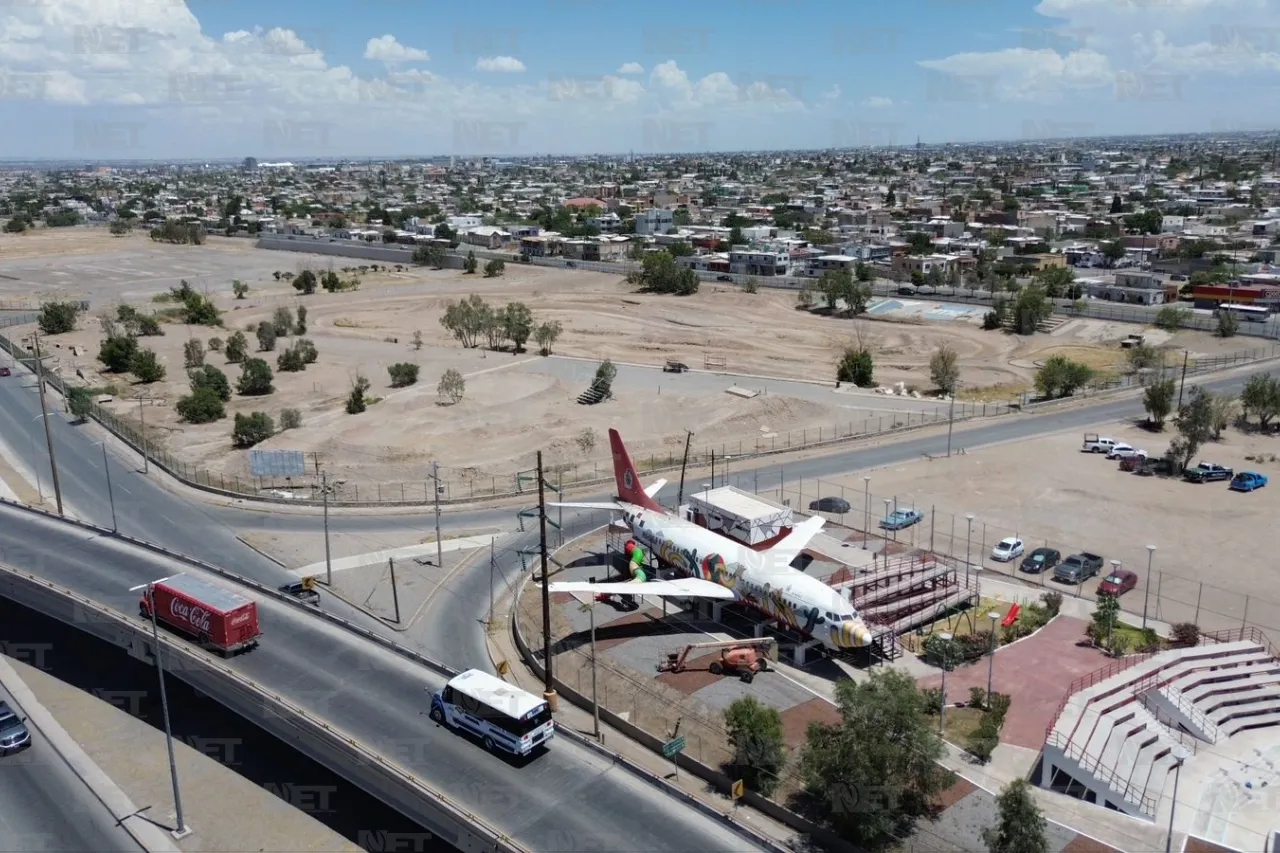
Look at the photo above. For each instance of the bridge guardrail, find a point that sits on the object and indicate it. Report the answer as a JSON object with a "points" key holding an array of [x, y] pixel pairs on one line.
{"points": [[196, 659], [384, 642]]}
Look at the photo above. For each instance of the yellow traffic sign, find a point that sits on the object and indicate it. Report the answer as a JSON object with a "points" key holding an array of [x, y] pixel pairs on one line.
{"points": [[503, 667], [737, 790]]}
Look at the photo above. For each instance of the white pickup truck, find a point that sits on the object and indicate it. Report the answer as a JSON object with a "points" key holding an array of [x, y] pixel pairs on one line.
{"points": [[1093, 443]]}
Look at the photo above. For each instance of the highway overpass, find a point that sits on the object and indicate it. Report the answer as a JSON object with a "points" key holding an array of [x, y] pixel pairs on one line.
{"points": [[323, 679]]}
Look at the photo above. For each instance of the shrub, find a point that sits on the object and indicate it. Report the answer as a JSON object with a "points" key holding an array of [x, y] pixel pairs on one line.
{"points": [[212, 378], [356, 402], [237, 348], [266, 336], [1171, 318], [307, 350], [251, 429], [300, 327], [305, 282], [290, 419], [239, 288], [146, 366], [80, 401], [977, 697], [403, 374], [1185, 635], [255, 378], [215, 344], [998, 706], [193, 353], [1052, 603], [760, 749], [983, 740], [291, 361], [856, 366], [282, 320], [453, 386], [201, 406], [58, 317], [931, 700], [117, 352]]}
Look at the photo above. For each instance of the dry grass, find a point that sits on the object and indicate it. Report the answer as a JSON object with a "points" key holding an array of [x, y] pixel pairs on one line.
{"points": [[959, 723], [1000, 393], [1105, 361]]}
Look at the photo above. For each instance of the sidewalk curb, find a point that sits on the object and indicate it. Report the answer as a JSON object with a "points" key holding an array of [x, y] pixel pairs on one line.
{"points": [[148, 836]]}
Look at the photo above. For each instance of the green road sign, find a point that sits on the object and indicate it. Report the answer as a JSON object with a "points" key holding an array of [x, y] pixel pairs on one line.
{"points": [[672, 747]]}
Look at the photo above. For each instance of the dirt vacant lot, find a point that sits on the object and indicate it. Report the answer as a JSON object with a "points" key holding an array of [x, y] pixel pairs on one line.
{"points": [[512, 406], [1049, 493]]}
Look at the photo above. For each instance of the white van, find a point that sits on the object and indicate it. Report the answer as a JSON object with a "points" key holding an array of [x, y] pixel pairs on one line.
{"points": [[501, 714]]}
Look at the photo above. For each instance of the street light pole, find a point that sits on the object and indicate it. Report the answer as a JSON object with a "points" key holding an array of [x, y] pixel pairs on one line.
{"points": [[991, 665], [110, 494], [48, 430], [35, 465], [182, 831], [866, 502], [887, 501], [951, 420], [1179, 755], [1146, 585], [328, 561], [435, 483], [968, 551], [1115, 568]]}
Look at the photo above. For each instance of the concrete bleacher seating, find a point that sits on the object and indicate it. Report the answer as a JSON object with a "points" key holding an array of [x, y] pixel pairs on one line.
{"points": [[1118, 735]]}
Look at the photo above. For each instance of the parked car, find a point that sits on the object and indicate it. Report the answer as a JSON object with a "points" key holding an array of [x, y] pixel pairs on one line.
{"points": [[4, 371], [303, 591], [1118, 582], [1125, 451], [906, 291], [1147, 467], [675, 367], [1078, 568], [839, 506], [1040, 560], [570, 264], [724, 278], [1094, 443], [1009, 548], [14, 736], [1247, 481], [900, 518], [1204, 472]]}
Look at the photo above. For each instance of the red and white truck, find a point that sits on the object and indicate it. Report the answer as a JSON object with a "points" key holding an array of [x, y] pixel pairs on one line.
{"points": [[218, 618]]}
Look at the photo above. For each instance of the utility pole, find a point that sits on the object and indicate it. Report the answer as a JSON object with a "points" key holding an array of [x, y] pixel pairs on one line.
{"points": [[142, 420], [492, 569], [395, 595], [48, 430], [1186, 354], [683, 465], [328, 561], [713, 469], [550, 690], [951, 420], [435, 483]]}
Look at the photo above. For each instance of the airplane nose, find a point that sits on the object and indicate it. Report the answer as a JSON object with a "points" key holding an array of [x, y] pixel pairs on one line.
{"points": [[853, 636]]}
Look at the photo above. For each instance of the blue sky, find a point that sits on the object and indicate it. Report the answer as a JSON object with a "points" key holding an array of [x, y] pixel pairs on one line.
{"points": [[229, 78]]}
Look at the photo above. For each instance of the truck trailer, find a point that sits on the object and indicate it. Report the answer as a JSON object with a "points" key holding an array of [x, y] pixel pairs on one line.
{"points": [[218, 619]]}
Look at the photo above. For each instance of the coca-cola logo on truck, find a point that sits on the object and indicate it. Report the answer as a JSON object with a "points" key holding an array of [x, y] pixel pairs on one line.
{"points": [[195, 616]]}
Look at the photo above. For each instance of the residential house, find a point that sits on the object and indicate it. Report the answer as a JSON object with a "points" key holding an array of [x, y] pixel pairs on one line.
{"points": [[658, 220], [545, 245], [488, 236], [1133, 288], [465, 221], [759, 262], [904, 266], [603, 248], [608, 223]]}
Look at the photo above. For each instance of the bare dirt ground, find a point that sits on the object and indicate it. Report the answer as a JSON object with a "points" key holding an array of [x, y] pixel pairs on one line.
{"points": [[1048, 493], [511, 408]]}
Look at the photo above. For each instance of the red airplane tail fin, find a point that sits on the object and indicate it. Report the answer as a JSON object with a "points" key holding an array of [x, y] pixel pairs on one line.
{"points": [[628, 482]]}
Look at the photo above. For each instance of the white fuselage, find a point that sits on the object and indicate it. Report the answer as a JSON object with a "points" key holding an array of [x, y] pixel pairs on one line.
{"points": [[785, 594]]}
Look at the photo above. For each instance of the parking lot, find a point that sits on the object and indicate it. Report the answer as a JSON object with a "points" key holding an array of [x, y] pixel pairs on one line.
{"points": [[1213, 546]]}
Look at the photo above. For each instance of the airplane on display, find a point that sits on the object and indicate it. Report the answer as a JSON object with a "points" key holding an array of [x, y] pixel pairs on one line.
{"points": [[762, 579]]}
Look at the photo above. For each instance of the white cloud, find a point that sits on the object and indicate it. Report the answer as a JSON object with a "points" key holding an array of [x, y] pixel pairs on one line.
{"points": [[631, 68], [273, 93], [387, 49], [877, 102], [833, 94], [502, 64]]}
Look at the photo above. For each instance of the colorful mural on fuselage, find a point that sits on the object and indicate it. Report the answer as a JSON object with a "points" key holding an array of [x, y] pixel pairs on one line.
{"points": [[772, 602]]}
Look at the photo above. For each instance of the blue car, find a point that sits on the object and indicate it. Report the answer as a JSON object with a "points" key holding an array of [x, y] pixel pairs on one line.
{"points": [[900, 518], [1247, 481]]}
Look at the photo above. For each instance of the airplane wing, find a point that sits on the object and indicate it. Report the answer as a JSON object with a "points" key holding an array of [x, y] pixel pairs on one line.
{"points": [[796, 541], [680, 588], [654, 487]]}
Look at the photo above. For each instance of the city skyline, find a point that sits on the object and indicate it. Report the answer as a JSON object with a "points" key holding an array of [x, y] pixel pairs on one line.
{"points": [[167, 80]]}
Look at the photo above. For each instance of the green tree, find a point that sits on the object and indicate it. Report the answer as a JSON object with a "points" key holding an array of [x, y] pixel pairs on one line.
{"points": [[300, 327], [467, 319], [760, 749], [1157, 399], [517, 324], [1143, 357], [146, 366], [117, 352], [857, 366], [193, 353], [237, 348], [282, 320], [470, 264], [884, 746], [252, 429], [356, 402], [1059, 377], [659, 273], [305, 282], [944, 369], [306, 350], [494, 268], [57, 318], [290, 361], [255, 378], [862, 272], [239, 288], [1171, 318], [836, 286], [1194, 422], [80, 402], [201, 406], [290, 419], [1113, 251], [1228, 324], [1021, 828], [606, 372], [403, 374], [452, 386], [546, 335], [211, 378], [266, 336], [1056, 281], [1031, 308], [1261, 398], [1102, 626], [16, 225]]}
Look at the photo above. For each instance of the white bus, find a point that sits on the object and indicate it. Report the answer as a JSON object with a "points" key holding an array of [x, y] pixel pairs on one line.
{"points": [[501, 714], [1254, 313]]}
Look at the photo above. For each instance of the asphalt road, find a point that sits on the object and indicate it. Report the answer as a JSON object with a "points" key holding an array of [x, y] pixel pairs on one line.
{"points": [[44, 807], [568, 799]]}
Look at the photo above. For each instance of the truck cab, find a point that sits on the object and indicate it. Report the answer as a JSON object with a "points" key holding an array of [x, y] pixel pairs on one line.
{"points": [[1078, 568], [1205, 472], [1094, 443]]}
